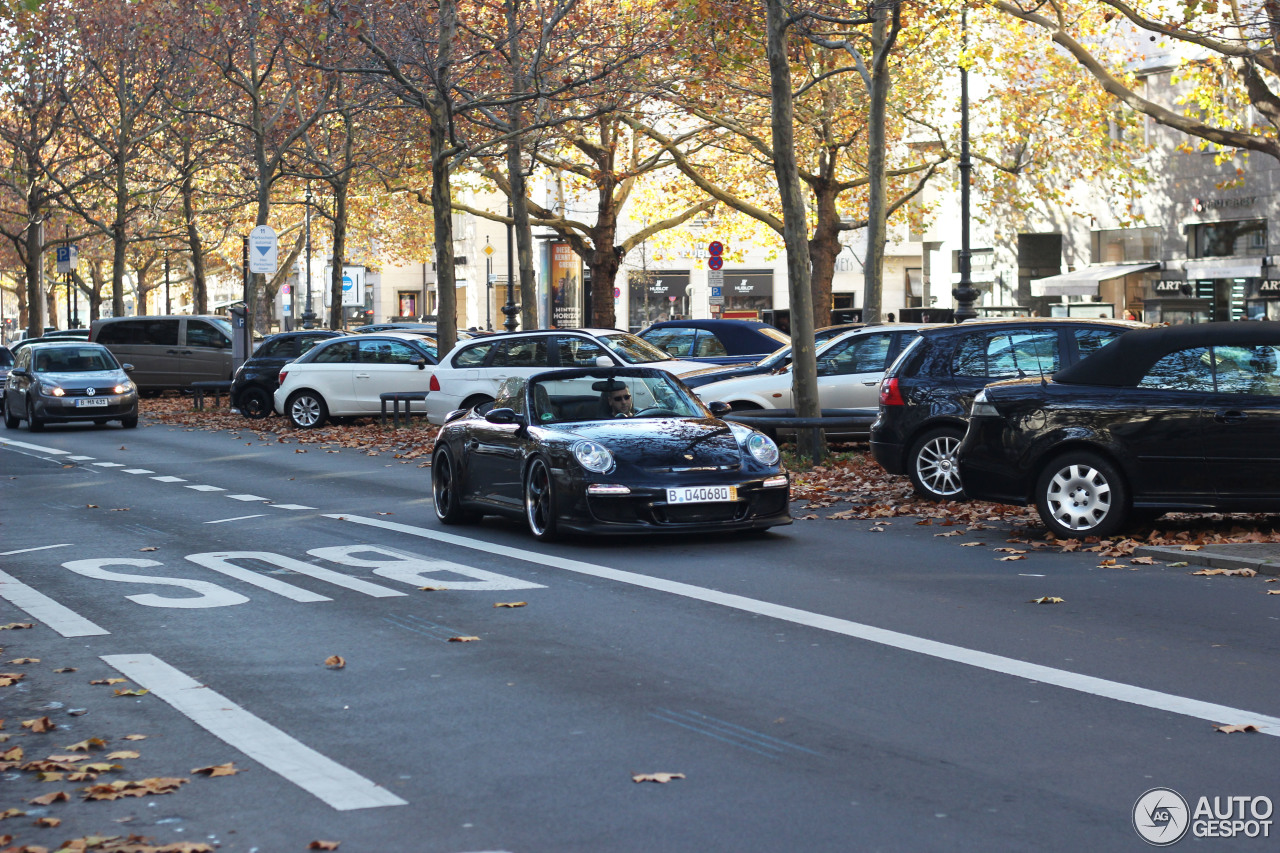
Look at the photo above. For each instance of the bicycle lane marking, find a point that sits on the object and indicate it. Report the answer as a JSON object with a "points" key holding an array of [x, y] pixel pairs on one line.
{"points": [[1101, 687]]}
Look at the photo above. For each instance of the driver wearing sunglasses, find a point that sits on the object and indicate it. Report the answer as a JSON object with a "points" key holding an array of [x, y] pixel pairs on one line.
{"points": [[617, 400]]}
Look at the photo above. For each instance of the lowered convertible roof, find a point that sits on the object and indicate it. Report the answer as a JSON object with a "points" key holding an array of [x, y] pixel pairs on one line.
{"points": [[1127, 359]]}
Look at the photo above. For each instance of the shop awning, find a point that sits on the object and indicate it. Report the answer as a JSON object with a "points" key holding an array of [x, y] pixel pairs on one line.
{"points": [[1084, 282], [1224, 268]]}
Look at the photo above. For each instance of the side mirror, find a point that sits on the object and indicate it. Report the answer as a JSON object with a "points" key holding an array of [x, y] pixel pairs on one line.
{"points": [[826, 367], [719, 408], [420, 360], [604, 361], [127, 368], [504, 416], [19, 371]]}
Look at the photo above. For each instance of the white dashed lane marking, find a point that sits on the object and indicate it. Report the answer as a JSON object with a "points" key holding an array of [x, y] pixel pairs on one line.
{"points": [[237, 518], [246, 498], [290, 506], [73, 458], [207, 488], [105, 464], [138, 471], [169, 479]]}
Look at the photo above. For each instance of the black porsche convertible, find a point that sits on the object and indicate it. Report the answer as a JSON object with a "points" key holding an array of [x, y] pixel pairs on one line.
{"points": [[606, 450]]}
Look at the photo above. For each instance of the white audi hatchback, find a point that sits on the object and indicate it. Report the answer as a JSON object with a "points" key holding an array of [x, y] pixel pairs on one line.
{"points": [[471, 372], [345, 377]]}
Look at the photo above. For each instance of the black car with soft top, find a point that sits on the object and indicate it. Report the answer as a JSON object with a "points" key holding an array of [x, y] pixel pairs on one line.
{"points": [[256, 380], [1180, 418], [926, 393], [606, 450]]}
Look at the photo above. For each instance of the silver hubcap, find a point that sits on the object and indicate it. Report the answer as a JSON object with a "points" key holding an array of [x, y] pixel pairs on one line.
{"points": [[443, 477], [306, 411], [936, 466], [1079, 497], [537, 499]]}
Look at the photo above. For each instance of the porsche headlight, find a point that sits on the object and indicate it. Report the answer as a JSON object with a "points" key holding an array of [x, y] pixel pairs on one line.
{"points": [[763, 449], [593, 456]]}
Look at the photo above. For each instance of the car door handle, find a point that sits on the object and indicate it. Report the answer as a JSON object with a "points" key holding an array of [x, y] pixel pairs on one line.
{"points": [[472, 444], [362, 376], [1230, 417], [872, 384]]}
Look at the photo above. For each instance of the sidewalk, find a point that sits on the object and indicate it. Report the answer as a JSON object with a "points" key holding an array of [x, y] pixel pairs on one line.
{"points": [[1264, 557]]}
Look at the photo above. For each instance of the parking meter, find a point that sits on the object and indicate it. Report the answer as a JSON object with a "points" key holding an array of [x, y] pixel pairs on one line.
{"points": [[241, 337]]}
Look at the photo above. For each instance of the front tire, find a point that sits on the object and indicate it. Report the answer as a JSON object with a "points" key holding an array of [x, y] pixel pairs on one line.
{"points": [[932, 465], [34, 422], [1082, 494], [446, 491], [255, 403], [306, 410], [540, 501], [10, 422], [130, 422]]}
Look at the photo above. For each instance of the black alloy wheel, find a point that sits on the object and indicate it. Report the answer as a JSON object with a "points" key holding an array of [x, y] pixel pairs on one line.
{"points": [[255, 403], [34, 422], [10, 421], [933, 467], [446, 491], [540, 501], [1081, 494]]}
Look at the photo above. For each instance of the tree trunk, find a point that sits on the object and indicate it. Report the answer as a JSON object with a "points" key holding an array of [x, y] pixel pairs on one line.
{"points": [[199, 288], [519, 200], [341, 188], [824, 248], [883, 36], [804, 374], [35, 276]]}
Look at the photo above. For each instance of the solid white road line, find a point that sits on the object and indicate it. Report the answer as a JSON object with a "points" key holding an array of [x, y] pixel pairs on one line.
{"points": [[37, 548], [42, 608], [1209, 711], [339, 787], [237, 518]]}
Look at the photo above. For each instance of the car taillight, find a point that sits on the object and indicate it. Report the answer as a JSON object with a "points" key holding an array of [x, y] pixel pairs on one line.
{"points": [[435, 384], [890, 394], [283, 374]]}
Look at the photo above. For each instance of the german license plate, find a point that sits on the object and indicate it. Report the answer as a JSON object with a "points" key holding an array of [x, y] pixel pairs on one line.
{"points": [[702, 494], [91, 402]]}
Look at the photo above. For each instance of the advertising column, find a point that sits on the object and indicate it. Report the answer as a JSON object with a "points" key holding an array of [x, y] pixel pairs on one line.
{"points": [[566, 287]]}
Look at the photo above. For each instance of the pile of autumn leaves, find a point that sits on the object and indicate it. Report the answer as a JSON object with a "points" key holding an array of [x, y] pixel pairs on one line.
{"points": [[408, 443]]}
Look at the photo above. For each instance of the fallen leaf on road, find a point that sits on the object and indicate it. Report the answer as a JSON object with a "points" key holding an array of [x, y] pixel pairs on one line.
{"points": [[1273, 592], [10, 678], [463, 639], [39, 725], [8, 813], [432, 588], [65, 669], [1012, 557], [1047, 599], [21, 661], [1142, 561], [90, 506], [323, 845], [17, 626], [1107, 564], [47, 823], [1241, 573], [228, 769], [50, 798], [1178, 565], [149, 548], [335, 662], [1230, 730], [109, 681], [122, 754], [971, 544], [1191, 547], [140, 788], [86, 745], [137, 691], [511, 604], [135, 737], [13, 753], [661, 778]]}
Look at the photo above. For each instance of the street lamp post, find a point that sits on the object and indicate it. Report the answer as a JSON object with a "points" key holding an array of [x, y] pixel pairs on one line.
{"points": [[488, 284], [510, 308], [964, 291], [168, 305], [308, 316], [66, 233]]}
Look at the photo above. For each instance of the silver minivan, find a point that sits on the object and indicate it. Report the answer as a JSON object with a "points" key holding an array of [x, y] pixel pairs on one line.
{"points": [[168, 352]]}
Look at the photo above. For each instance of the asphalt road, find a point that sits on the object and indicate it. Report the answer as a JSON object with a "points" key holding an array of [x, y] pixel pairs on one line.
{"points": [[825, 688]]}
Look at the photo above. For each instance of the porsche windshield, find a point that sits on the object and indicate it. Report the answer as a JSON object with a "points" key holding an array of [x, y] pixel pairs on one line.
{"points": [[604, 397]]}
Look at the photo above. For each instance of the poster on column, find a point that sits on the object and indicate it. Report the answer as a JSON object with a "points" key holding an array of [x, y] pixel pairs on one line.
{"points": [[566, 287]]}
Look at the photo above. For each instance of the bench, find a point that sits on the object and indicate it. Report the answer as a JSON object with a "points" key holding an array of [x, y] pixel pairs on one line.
{"points": [[217, 389], [395, 398]]}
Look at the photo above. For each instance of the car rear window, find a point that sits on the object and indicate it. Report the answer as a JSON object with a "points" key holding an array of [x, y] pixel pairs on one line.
{"points": [[1089, 341], [475, 355]]}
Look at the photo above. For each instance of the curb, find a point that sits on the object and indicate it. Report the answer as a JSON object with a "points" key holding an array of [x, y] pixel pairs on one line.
{"points": [[1264, 565]]}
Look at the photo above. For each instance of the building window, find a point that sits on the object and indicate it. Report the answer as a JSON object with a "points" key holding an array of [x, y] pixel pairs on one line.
{"points": [[1126, 245], [408, 303], [1225, 239]]}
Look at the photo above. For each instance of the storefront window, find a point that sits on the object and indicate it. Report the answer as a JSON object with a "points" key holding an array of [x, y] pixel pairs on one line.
{"points": [[1225, 239], [408, 303], [748, 290], [657, 295], [1126, 245]]}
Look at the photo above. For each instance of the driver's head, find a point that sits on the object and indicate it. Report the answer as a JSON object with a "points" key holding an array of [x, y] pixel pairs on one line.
{"points": [[619, 400]]}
